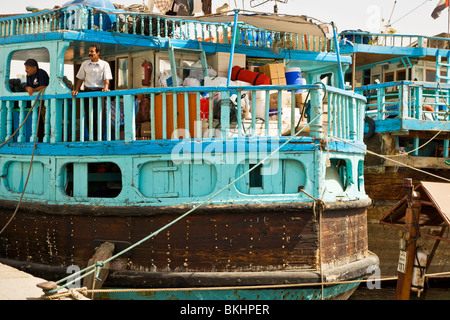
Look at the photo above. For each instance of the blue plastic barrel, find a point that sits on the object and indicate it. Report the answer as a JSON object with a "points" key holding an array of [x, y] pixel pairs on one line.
{"points": [[294, 77], [108, 19], [106, 4]]}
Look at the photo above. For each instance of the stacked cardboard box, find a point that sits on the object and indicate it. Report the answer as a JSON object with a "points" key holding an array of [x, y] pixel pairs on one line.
{"points": [[276, 73], [220, 62]]}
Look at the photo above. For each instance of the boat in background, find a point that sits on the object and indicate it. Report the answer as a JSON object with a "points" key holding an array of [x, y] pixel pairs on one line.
{"points": [[406, 79], [186, 190]]}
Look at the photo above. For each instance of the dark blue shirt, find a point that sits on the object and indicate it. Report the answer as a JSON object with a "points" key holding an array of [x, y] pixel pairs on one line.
{"points": [[40, 78]]}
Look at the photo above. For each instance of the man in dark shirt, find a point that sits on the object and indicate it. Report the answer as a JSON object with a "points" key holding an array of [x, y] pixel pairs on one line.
{"points": [[37, 79]]}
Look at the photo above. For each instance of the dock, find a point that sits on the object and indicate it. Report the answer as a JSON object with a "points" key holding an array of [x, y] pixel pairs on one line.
{"points": [[19, 285]]}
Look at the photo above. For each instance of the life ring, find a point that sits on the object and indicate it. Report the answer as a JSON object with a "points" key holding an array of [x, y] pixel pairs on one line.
{"points": [[428, 107], [371, 124]]}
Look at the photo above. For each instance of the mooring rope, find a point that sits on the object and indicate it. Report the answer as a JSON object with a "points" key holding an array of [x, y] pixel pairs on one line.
{"points": [[75, 292], [53, 294], [32, 155], [85, 291], [389, 159], [100, 264], [432, 138]]}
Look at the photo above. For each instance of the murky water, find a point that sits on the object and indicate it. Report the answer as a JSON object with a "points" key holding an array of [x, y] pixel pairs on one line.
{"points": [[440, 291]]}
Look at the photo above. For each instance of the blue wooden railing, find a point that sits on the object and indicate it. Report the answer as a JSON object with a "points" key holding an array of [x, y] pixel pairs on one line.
{"points": [[395, 40], [82, 17], [184, 113], [419, 106], [408, 100]]}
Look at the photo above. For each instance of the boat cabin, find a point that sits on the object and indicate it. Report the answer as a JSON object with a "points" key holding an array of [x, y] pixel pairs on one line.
{"points": [[407, 81]]}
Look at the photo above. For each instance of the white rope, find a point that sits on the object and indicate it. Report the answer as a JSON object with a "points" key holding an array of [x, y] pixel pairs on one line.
{"points": [[387, 158]]}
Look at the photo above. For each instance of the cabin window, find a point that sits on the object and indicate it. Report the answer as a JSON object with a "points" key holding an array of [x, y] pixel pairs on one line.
{"points": [[96, 179], [17, 74], [122, 72], [339, 174], [401, 75], [255, 176], [361, 175], [366, 77], [389, 77], [431, 75]]}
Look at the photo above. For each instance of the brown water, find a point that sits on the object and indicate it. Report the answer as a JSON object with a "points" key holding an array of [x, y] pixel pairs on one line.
{"points": [[434, 291]]}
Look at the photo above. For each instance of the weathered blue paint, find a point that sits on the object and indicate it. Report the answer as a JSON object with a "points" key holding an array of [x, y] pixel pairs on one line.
{"points": [[302, 293]]}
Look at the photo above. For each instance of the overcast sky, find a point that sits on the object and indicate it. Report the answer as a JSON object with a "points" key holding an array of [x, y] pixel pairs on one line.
{"points": [[408, 16]]}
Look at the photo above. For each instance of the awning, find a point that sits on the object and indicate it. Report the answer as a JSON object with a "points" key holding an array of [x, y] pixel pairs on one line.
{"points": [[435, 207], [271, 21]]}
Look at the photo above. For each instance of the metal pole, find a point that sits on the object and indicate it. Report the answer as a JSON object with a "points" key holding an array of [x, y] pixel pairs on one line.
{"points": [[235, 28], [336, 44]]}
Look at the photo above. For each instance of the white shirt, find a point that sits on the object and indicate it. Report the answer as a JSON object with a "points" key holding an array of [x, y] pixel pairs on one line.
{"points": [[94, 74]]}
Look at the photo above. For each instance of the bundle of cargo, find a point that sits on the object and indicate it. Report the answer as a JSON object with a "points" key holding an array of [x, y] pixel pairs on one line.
{"points": [[276, 73]]}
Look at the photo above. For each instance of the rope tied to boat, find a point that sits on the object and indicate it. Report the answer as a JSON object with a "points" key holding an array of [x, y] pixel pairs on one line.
{"points": [[39, 96], [94, 267], [74, 293]]}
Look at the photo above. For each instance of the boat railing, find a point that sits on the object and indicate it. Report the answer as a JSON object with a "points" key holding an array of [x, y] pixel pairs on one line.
{"points": [[407, 100], [84, 17], [184, 113], [395, 40]]}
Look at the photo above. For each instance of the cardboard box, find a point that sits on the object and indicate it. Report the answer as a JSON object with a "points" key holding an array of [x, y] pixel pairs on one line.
{"points": [[278, 81], [221, 60], [276, 73]]}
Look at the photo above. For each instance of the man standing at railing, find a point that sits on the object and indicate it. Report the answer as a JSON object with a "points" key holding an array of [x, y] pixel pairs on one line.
{"points": [[37, 80], [95, 74]]}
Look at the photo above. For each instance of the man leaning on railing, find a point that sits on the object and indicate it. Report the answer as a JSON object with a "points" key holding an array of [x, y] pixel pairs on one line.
{"points": [[37, 80]]}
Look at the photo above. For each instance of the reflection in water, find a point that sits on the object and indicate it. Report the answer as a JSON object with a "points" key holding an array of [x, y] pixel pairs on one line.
{"points": [[434, 291]]}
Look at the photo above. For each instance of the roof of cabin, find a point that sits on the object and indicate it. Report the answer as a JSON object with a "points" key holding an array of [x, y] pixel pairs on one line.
{"points": [[270, 21]]}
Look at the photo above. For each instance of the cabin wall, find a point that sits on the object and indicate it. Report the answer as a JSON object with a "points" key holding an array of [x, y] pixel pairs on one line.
{"points": [[136, 70], [421, 70]]}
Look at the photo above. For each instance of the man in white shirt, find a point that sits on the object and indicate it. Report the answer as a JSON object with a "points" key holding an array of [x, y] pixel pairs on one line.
{"points": [[95, 74]]}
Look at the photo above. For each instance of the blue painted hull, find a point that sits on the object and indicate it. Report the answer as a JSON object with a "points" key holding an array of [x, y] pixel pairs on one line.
{"points": [[340, 291]]}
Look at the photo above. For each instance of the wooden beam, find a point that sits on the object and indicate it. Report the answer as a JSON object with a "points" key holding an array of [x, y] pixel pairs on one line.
{"points": [[433, 251], [354, 71], [410, 234]]}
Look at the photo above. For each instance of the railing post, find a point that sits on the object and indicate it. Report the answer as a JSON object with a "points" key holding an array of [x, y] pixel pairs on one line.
{"points": [[225, 114], [2, 120], [446, 146], [353, 116], [54, 110], [420, 42], [381, 97], [419, 102], [316, 109], [403, 101], [9, 118], [361, 116], [21, 134], [128, 115]]}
